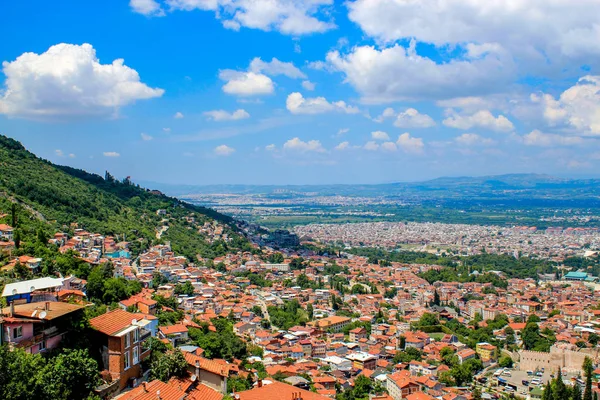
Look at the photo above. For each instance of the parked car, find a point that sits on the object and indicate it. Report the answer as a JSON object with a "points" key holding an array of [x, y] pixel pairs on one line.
{"points": [[525, 382]]}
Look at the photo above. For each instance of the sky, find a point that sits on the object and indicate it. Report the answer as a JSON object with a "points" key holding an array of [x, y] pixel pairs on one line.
{"points": [[304, 91]]}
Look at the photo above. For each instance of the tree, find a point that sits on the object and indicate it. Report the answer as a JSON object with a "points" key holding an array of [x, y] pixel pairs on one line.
{"points": [[505, 362], [310, 311], [436, 298], [362, 386], [72, 374], [428, 319], [588, 369], [17, 238], [476, 394], [168, 365], [548, 395], [576, 394]]}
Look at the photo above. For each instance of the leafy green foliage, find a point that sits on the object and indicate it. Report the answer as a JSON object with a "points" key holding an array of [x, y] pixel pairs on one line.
{"points": [[290, 314], [72, 374], [169, 364], [221, 344]]}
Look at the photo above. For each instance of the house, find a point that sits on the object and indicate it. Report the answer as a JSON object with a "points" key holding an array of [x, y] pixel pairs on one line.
{"points": [[41, 289], [400, 385], [278, 391], [333, 324], [466, 354], [212, 373], [487, 352], [175, 334], [6, 232], [36, 327], [121, 339], [362, 360], [357, 333]]}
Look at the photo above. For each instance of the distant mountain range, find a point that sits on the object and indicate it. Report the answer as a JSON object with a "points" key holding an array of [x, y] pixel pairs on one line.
{"points": [[495, 186]]}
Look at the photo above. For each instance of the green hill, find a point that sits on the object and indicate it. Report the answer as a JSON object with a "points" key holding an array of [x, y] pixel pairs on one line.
{"points": [[52, 198]]}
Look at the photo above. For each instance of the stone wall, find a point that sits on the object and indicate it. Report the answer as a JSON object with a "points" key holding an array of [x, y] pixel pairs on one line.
{"points": [[569, 360]]}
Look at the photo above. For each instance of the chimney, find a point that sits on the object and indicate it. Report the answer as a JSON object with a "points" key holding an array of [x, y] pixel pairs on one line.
{"points": [[158, 394], [198, 369], [47, 308], [12, 308], [259, 383], [145, 385]]}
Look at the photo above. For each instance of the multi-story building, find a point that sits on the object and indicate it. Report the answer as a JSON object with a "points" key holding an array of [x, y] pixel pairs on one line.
{"points": [[333, 324], [121, 338]]}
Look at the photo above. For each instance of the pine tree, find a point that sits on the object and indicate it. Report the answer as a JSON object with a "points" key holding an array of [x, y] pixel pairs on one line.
{"points": [[576, 392], [548, 392], [560, 390], [13, 213], [588, 369]]}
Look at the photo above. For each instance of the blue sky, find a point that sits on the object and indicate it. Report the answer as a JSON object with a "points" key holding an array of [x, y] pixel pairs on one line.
{"points": [[312, 91]]}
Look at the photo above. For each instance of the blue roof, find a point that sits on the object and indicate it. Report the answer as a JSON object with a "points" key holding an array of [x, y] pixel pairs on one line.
{"points": [[578, 275]]}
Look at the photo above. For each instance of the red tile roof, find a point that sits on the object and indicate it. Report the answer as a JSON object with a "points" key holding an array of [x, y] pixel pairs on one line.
{"points": [[279, 391], [112, 322]]}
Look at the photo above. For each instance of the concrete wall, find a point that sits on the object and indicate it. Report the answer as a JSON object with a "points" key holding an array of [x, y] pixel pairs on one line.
{"points": [[557, 358]]}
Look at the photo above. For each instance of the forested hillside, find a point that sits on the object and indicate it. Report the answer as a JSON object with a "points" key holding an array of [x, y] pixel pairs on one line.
{"points": [[50, 197]]}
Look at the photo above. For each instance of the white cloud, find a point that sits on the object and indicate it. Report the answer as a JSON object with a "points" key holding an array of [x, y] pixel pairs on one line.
{"points": [[246, 83], [578, 107], [149, 8], [398, 73], [411, 118], [146, 137], [470, 104], [342, 146], [71, 155], [533, 29], [222, 115], [167, 130], [341, 131], [296, 144], [297, 104], [289, 17], [69, 80], [380, 135], [371, 146], [59, 153], [276, 67], [472, 139], [308, 85], [388, 146], [224, 150], [410, 144], [538, 138], [387, 113], [270, 147], [178, 115], [111, 154], [483, 119]]}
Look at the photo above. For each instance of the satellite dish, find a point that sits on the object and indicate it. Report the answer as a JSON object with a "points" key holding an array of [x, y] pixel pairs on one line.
{"points": [[134, 321], [43, 315], [15, 291], [32, 288], [193, 378]]}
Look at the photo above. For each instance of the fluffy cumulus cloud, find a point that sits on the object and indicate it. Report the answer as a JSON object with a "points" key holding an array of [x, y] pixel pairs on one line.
{"points": [[342, 146], [380, 135], [409, 118], [298, 145], [223, 150], [276, 67], [145, 137], [292, 17], [472, 139], [246, 83], [538, 138], [69, 79], [530, 29], [297, 104], [480, 119], [222, 115], [178, 115], [308, 85], [112, 154], [151, 8], [578, 107], [371, 146], [410, 144], [399, 73]]}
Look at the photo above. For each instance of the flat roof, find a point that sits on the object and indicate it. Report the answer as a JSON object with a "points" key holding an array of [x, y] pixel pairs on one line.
{"points": [[32, 285]]}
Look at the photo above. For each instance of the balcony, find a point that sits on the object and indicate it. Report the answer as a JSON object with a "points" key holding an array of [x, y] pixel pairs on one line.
{"points": [[144, 334]]}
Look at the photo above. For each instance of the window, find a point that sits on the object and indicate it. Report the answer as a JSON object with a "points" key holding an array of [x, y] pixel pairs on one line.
{"points": [[127, 362], [136, 355], [42, 345], [136, 336], [127, 340], [17, 332]]}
